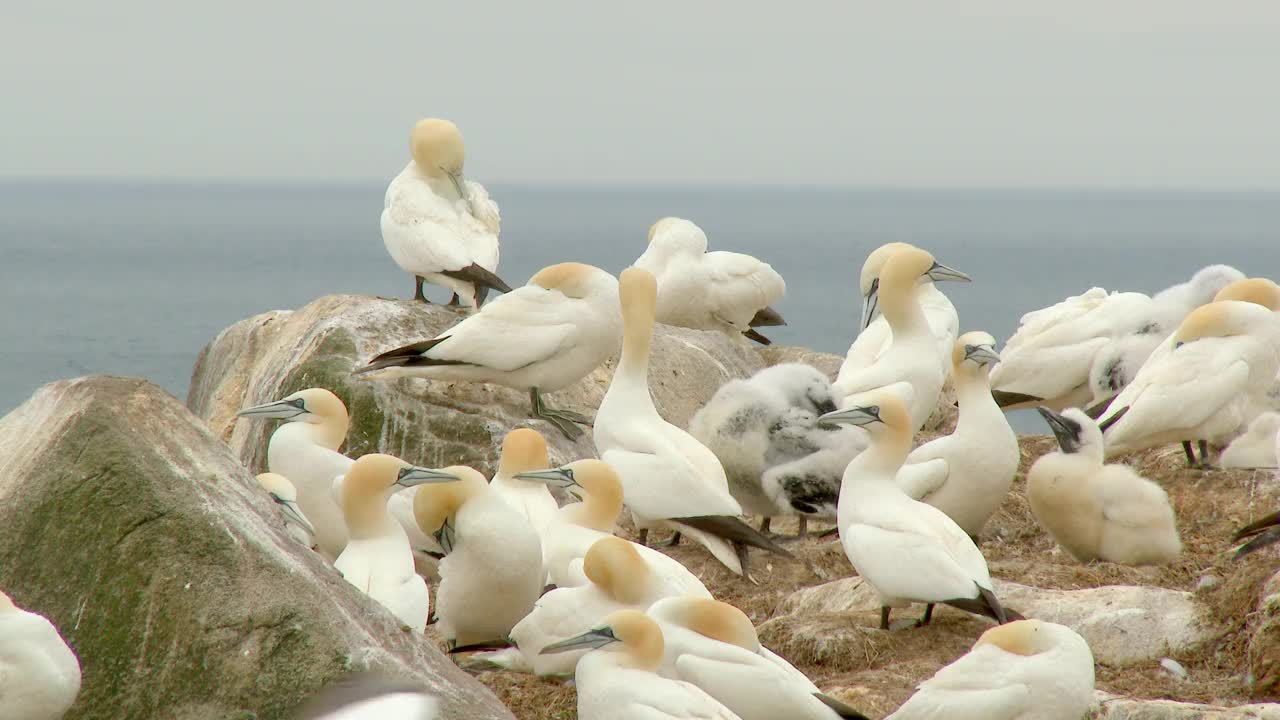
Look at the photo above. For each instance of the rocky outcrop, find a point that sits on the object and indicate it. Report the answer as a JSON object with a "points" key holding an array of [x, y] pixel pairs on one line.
{"points": [[1264, 642], [135, 530], [1111, 707]]}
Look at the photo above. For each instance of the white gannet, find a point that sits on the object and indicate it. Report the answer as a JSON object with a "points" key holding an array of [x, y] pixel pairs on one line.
{"points": [[1096, 511], [1211, 383], [542, 337], [1025, 670], [305, 450], [1260, 534], [369, 696], [378, 559], [874, 335], [713, 645], [911, 368], [703, 290], [668, 478], [284, 494], [39, 674], [906, 550], [618, 679], [523, 450], [578, 526], [968, 473], [438, 226], [491, 573], [1256, 446]]}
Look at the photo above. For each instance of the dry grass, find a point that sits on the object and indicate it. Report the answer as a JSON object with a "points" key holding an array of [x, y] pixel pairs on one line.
{"points": [[875, 671]]}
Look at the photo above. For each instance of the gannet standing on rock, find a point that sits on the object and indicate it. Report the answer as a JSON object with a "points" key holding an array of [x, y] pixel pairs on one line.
{"points": [[1026, 670], [703, 290], [284, 494], [523, 450], [911, 368], [492, 570], [1096, 511], [438, 226], [378, 559], [618, 680], [540, 338], [668, 478], [968, 473], [1256, 447], [305, 450], [39, 674], [906, 550]]}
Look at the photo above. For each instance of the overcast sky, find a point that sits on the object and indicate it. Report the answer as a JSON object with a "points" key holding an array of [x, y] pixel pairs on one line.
{"points": [[1115, 93]]}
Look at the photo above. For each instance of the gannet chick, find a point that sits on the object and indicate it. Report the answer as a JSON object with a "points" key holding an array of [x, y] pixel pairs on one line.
{"points": [[911, 368], [618, 679], [378, 559], [875, 336], [542, 337], [39, 674], [369, 696], [1211, 384], [284, 494], [1256, 447], [1026, 670], [1260, 534], [438, 226], [668, 478], [492, 570], [906, 550], [578, 526], [724, 291], [304, 449], [1096, 511], [524, 450], [968, 473], [714, 646]]}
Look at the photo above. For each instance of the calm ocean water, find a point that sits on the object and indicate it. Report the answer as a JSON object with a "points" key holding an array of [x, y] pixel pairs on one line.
{"points": [[133, 278]]}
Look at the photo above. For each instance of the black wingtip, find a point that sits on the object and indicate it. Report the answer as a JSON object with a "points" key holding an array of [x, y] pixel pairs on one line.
{"points": [[1095, 411], [751, 334], [1256, 527], [486, 645], [479, 277], [766, 317], [843, 711], [735, 531], [1005, 399], [1113, 419], [1270, 537]]}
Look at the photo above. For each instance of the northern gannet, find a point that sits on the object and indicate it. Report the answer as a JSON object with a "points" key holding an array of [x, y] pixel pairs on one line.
{"points": [[968, 473], [369, 696], [618, 680], [438, 226], [378, 559], [1256, 446], [578, 526], [703, 290], [540, 338], [1096, 511], [875, 336], [906, 550], [305, 450], [491, 573], [523, 450], [39, 674], [911, 368], [668, 478], [713, 645], [1026, 670], [284, 494]]}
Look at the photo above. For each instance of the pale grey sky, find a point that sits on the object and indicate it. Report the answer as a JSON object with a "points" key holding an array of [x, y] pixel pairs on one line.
{"points": [[1115, 93]]}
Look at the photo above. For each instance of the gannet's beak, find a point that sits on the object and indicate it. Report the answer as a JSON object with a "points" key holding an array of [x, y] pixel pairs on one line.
{"points": [[294, 513], [589, 640], [556, 477], [281, 409], [865, 415], [940, 272], [981, 354], [1064, 429], [413, 475], [870, 304], [446, 536]]}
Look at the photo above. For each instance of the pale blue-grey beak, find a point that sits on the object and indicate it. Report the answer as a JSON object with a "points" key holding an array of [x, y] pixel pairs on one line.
{"points": [[413, 476], [589, 640], [286, 409], [870, 304], [293, 513], [981, 354], [940, 272], [561, 477], [864, 415]]}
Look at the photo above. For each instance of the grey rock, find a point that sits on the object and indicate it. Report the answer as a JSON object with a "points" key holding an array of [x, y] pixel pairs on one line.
{"points": [[1112, 707]]}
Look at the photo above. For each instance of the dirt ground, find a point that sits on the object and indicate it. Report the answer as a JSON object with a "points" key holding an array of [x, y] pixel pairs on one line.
{"points": [[1210, 505]]}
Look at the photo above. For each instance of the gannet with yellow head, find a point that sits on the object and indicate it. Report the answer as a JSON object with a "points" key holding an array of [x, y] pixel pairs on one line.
{"points": [[39, 673], [524, 449]]}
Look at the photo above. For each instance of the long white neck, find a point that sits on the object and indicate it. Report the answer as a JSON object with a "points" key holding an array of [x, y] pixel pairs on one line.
{"points": [[631, 378], [903, 312], [978, 410]]}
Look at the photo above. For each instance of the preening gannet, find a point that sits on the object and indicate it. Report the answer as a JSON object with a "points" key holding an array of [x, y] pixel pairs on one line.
{"points": [[369, 696], [492, 570], [703, 290], [968, 473], [438, 226], [906, 550], [1256, 447], [875, 336], [284, 494], [714, 646], [578, 526], [1026, 670], [524, 450], [1096, 511], [618, 680], [305, 450], [378, 559], [668, 478], [39, 674], [542, 337], [911, 368], [1213, 381]]}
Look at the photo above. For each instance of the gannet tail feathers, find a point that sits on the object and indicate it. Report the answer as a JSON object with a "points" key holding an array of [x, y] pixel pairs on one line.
{"points": [[843, 711], [481, 278], [1264, 532], [766, 317], [751, 334], [1007, 400], [733, 530], [407, 356], [986, 605]]}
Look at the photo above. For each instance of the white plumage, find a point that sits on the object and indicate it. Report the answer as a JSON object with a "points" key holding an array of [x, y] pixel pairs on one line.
{"points": [[1256, 447], [39, 674]]}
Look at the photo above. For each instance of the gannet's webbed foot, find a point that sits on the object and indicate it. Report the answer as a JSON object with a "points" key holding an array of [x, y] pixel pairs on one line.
{"points": [[563, 420], [1191, 454], [417, 290]]}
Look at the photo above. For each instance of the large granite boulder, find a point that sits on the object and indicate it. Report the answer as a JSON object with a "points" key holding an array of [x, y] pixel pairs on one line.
{"points": [[1112, 707], [148, 543]]}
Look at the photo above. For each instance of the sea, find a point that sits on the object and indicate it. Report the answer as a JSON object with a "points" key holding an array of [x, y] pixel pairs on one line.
{"points": [[133, 277]]}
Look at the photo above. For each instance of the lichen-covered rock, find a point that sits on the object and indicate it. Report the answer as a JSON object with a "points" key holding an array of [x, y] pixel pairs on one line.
{"points": [[151, 547], [1111, 707], [429, 422]]}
